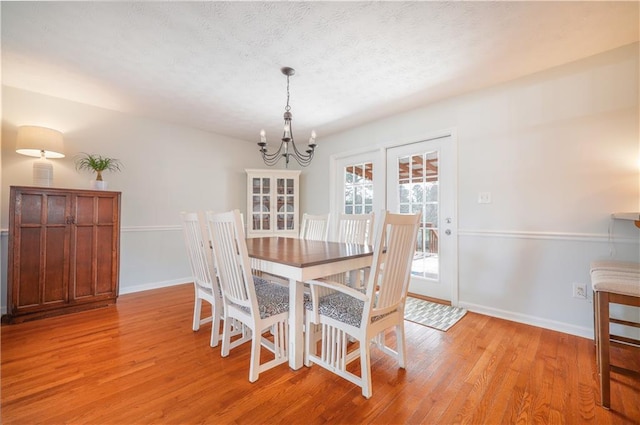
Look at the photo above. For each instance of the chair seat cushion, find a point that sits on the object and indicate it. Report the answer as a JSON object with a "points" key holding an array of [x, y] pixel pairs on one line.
{"points": [[342, 307], [272, 298], [621, 282], [614, 265]]}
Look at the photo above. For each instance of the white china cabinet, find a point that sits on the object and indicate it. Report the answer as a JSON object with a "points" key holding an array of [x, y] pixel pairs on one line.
{"points": [[272, 203]]}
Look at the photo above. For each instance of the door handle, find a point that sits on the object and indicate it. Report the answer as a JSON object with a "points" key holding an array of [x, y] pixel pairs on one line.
{"points": [[447, 232]]}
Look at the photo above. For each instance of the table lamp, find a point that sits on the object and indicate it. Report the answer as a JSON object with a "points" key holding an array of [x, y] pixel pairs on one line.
{"points": [[43, 143]]}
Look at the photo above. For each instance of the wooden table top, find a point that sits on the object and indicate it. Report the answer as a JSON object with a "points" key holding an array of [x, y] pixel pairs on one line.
{"points": [[302, 253]]}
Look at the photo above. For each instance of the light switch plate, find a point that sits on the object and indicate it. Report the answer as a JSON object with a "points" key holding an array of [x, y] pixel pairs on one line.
{"points": [[484, 197]]}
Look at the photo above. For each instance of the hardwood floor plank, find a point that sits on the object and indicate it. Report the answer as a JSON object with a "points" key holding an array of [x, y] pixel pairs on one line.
{"points": [[487, 381], [475, 382], [542, 375], [139, 362], [505, 397], [563, 383]]}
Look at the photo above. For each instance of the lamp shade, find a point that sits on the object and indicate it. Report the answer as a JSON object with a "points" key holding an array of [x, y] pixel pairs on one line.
{"points": [[33, 141]]}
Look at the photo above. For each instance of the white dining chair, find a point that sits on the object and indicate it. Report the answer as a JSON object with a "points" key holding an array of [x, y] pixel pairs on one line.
{"points": [[261, 306], [347, 314], [204, 278], [314, 227], [355, 228], [358, 229]]}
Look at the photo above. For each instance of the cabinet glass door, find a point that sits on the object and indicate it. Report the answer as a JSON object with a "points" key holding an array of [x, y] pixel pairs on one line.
{"points": [[285, 195], [261, 194]]}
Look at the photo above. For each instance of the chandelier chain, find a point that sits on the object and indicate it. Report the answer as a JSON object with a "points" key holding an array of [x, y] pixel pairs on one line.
{"points": [[287, 108]]}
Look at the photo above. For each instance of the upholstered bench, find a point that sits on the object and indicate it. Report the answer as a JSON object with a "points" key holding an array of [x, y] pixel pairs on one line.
{"points": [[614, 282]]}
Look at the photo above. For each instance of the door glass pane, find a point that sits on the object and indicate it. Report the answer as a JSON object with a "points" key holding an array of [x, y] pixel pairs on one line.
{"points": [[403, 170], [418, 192], [358, 188]]}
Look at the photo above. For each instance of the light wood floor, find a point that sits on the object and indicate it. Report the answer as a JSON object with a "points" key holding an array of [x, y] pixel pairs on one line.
{"points": [[140, 363]]}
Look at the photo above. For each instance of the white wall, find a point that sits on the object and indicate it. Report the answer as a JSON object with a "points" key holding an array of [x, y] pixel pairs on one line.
{"points": [[167, 168], [559, 151]]}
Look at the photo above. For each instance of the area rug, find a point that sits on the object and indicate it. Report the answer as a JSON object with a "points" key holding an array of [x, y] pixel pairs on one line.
{"points": [[433, 315]]}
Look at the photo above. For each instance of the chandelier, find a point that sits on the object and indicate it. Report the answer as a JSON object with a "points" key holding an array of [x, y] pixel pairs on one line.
{"points": [[287, 147]]}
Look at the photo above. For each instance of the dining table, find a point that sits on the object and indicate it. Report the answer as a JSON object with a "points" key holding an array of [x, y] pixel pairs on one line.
{"points": [[299, 260]]}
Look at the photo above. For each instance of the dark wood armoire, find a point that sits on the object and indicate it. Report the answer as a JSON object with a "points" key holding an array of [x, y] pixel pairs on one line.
{"points": [[64, 251]]}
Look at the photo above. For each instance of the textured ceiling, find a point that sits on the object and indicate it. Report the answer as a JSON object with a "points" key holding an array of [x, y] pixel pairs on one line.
{"points": [[216, 65]]}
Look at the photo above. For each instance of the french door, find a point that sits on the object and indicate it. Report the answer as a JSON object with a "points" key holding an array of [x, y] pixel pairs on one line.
{"points": [[409, 178], [421, 178]]}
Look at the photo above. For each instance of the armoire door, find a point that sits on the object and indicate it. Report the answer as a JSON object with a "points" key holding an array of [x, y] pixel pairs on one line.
{"points": [[94, 245], [40, 249]]}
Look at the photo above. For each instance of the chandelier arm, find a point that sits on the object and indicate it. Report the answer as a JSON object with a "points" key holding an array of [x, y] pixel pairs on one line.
{"points": [[298, 152], [270, 156], [276, 154], [271, 161], [303, 161]]}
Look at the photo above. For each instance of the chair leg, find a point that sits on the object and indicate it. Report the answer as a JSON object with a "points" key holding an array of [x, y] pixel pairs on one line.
{"points": [[309, 336], [197, 307], [596, 327], [595, 319], [227, 330], [604, 344], [402, 358], [365, 368], [215, 327], [254, 367]]}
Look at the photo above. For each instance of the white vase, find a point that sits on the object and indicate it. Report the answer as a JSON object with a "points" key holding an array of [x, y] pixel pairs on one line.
{"points": [[98, 184]]}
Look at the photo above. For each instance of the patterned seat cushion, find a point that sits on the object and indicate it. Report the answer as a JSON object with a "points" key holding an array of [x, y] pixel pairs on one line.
{"points": [[342, 307], [272, 298]]}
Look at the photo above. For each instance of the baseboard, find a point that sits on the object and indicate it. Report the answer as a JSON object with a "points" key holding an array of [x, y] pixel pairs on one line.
{"points": [[154, 285], [529, 320]]}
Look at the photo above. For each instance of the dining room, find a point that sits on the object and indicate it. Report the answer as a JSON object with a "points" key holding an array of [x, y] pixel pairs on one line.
{"points": [[543, 156]]}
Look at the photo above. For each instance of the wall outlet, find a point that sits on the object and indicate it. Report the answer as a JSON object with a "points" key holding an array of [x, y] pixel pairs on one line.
{"points": [[580, 291]]}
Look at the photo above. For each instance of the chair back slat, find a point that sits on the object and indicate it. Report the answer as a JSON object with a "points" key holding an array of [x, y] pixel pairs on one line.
{"points": [[232, 260], [395, 244], [355, 228], [198, 250], [314, 227]]}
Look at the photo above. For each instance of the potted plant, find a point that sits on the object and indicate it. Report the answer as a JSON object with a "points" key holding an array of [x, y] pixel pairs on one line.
{"points": [[97, 164]]}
